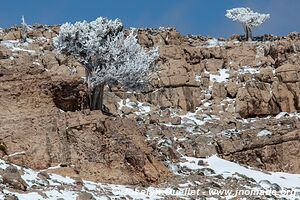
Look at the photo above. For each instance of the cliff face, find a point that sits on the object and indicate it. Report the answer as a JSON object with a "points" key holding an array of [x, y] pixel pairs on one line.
{"points": [[235, 99], [262, 77], [236, 81], [34, 81]]}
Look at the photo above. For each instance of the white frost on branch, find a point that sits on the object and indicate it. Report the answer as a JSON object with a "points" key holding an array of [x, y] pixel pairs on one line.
{"points": [[109, 54], [247, 16], [24, 29]]}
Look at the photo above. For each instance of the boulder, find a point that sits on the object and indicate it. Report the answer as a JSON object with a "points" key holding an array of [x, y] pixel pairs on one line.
{"points": [[13, 179], [85, 196]]}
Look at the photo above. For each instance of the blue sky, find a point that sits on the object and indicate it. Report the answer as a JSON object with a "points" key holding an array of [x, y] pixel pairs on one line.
{"points": [[198, 17]]}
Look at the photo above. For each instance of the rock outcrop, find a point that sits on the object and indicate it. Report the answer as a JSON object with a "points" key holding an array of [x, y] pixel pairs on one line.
{"points": [[42, 127], [227, 97]]}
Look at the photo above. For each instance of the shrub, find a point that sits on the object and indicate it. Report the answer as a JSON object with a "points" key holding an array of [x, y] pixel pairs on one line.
{"points": [[108, 54], [248, 18]]}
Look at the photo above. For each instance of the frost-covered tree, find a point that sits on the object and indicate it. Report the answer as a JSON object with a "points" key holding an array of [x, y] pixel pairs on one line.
{"points": [[109, 54], [248, 18], [24, 29]]}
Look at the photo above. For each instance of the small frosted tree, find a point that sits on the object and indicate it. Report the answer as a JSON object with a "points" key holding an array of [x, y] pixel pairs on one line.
{"points": [[109, 54], [248, 18], [24, 29]]}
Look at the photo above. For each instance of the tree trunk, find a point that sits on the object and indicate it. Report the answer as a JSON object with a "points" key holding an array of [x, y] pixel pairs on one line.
{"points": [[249, 34], [95, 94], [96, 97]]}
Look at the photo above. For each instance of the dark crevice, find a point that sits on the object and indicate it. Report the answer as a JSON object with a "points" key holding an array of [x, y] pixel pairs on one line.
{"points": [[170, 87], [69, 96]]}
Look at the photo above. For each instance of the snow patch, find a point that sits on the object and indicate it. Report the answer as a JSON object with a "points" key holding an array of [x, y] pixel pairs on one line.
{"points": [[17, 153], [281, 114], [231, 132], [227, 169], [214, 43], [247, 69], [222, 77], [3, 164], [20, 49], [264, 133], [57, 179], [15, 45], [142, 108], [198, 78], [10, 43], [36, 63]]}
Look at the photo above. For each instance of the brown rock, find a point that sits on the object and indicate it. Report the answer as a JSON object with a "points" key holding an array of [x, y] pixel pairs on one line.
{"points": [[213, 65], [5, 54], [78, 181], [242, 54], [176, 121], [255, 99], [232, 88], [43, 175], [288, 73], [18, 159], [171, 120], [12, 177], [284, 97], [277, 153], [204, 147], [12, 35], [10, 197], [219, 91], [266, 74], [154, 118], [85, 196]]}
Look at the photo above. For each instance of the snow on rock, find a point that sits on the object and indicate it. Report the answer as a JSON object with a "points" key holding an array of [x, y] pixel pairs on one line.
{"points": [[64, 187], [264, 133], [65, 194], [214, 43], [50, 195], [228, 169], [248, 69], [194, 119], [15, 46], [260, 51], [30, 177], [231, 132], [24, 196], [190, 120], [36, 63], [10, 43], [57, 179], [223, 76], [17, 153], [3, 164], [141, 108], [198, 78], [20, 49], [281, 114]]}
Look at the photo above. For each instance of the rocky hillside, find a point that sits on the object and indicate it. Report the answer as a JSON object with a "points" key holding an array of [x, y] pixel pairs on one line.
{"points": [[210, 102]]}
